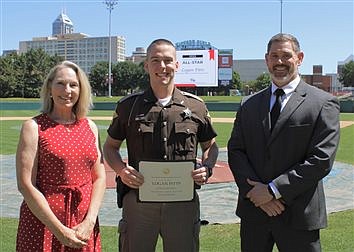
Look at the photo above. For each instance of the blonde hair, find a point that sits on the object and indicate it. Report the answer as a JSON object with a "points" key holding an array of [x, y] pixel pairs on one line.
{"points": [[84, 103]]}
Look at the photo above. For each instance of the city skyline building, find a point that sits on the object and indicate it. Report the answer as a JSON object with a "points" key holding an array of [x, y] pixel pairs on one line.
{"points": [[62, 25], [86, 51], [138, 56], [79, 48], [249, 69]]}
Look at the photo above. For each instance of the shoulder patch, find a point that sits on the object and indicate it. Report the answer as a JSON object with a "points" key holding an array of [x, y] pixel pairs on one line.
{"points": [[192, 96], [130, 96]]}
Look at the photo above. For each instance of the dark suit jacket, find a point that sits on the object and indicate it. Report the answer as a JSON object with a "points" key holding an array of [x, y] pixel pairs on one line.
{"points": [[296, 155]]}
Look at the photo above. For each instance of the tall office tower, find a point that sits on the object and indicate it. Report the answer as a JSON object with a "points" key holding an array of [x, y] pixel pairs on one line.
{"points": [[80, 48], [62, 25]]}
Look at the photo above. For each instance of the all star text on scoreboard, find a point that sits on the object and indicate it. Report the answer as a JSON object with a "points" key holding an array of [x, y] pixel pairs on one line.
{"points": [[198, 68]]}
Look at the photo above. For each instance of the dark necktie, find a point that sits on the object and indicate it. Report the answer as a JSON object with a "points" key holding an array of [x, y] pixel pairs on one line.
{"points": [[275, 112]]}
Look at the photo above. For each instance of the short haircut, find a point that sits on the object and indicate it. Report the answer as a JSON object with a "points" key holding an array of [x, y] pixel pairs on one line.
{"points": [[158, 42], [283, 37], [84, 103]]}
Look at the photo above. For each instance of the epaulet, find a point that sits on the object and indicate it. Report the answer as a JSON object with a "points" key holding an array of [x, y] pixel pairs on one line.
{"points": [[192, 95], [130, 96]]}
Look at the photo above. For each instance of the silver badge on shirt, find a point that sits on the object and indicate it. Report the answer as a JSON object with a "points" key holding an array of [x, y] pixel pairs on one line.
{"points": [[187, 113]]}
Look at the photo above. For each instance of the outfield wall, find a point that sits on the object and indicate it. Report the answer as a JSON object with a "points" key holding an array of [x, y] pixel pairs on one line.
{"points": [[345, 106]]}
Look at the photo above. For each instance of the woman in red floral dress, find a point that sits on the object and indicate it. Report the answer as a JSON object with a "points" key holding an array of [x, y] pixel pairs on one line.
{"points": [[59, 167]]}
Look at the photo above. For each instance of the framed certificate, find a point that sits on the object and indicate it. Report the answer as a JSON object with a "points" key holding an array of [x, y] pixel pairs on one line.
{"points": [[166, 181]]}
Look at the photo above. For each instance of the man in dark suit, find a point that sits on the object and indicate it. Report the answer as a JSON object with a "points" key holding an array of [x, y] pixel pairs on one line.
{"points": [[279, 160]]}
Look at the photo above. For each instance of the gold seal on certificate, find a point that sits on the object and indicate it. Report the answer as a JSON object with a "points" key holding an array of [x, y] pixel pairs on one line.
{"points": [[167, 181]]}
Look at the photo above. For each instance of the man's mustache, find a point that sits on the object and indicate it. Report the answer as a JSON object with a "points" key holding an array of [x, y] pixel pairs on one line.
{"points": [[281, 65]]}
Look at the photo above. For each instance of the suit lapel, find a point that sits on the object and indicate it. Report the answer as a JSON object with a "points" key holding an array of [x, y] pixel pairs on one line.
{"points": [[294, 102]]}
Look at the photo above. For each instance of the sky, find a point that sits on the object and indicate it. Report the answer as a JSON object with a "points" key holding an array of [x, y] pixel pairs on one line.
{"points": [[325, 29]]}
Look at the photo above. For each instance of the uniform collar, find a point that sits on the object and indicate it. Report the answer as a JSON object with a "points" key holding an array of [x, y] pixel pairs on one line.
{"points": [[149, 96], [177, 97]]}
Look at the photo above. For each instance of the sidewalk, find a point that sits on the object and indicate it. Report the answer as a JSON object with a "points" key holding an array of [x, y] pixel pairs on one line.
{"points": [[217, 199]]}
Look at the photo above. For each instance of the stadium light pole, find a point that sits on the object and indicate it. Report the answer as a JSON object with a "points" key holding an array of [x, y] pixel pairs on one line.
{"points": [[281, 16], [110, 5]]}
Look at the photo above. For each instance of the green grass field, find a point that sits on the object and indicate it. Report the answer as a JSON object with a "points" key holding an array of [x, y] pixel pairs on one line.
{"points": [[338, 237], [214, 238], [9, 131]]}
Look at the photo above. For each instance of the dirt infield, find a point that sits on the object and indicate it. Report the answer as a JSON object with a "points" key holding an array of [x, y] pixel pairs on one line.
{"points": [[343, 124]]}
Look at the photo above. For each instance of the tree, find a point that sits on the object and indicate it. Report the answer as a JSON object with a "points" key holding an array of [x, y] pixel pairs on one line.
{"points": [[127, 76], [262, 81], [347, 75], [99, 78], [8, 75], [23, 75], [144, 81], [236, 81], [36, 64]]}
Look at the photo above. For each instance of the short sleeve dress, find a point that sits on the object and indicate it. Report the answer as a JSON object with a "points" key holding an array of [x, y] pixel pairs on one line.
{"points": [[66, 155]]}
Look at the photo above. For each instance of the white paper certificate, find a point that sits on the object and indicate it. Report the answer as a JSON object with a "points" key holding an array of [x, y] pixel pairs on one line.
{"points": [[166, 181]]}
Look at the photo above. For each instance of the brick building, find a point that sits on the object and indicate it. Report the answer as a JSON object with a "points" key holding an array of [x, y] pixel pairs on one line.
{"points": [[318, 79]]}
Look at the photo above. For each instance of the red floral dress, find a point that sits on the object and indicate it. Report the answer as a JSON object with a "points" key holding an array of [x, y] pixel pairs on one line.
{"points": [[66, 155]]}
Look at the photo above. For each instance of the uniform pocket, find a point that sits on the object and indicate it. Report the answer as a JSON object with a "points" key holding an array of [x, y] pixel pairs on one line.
{"points": [[146, 127], [186, 139], [146, 132]]}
